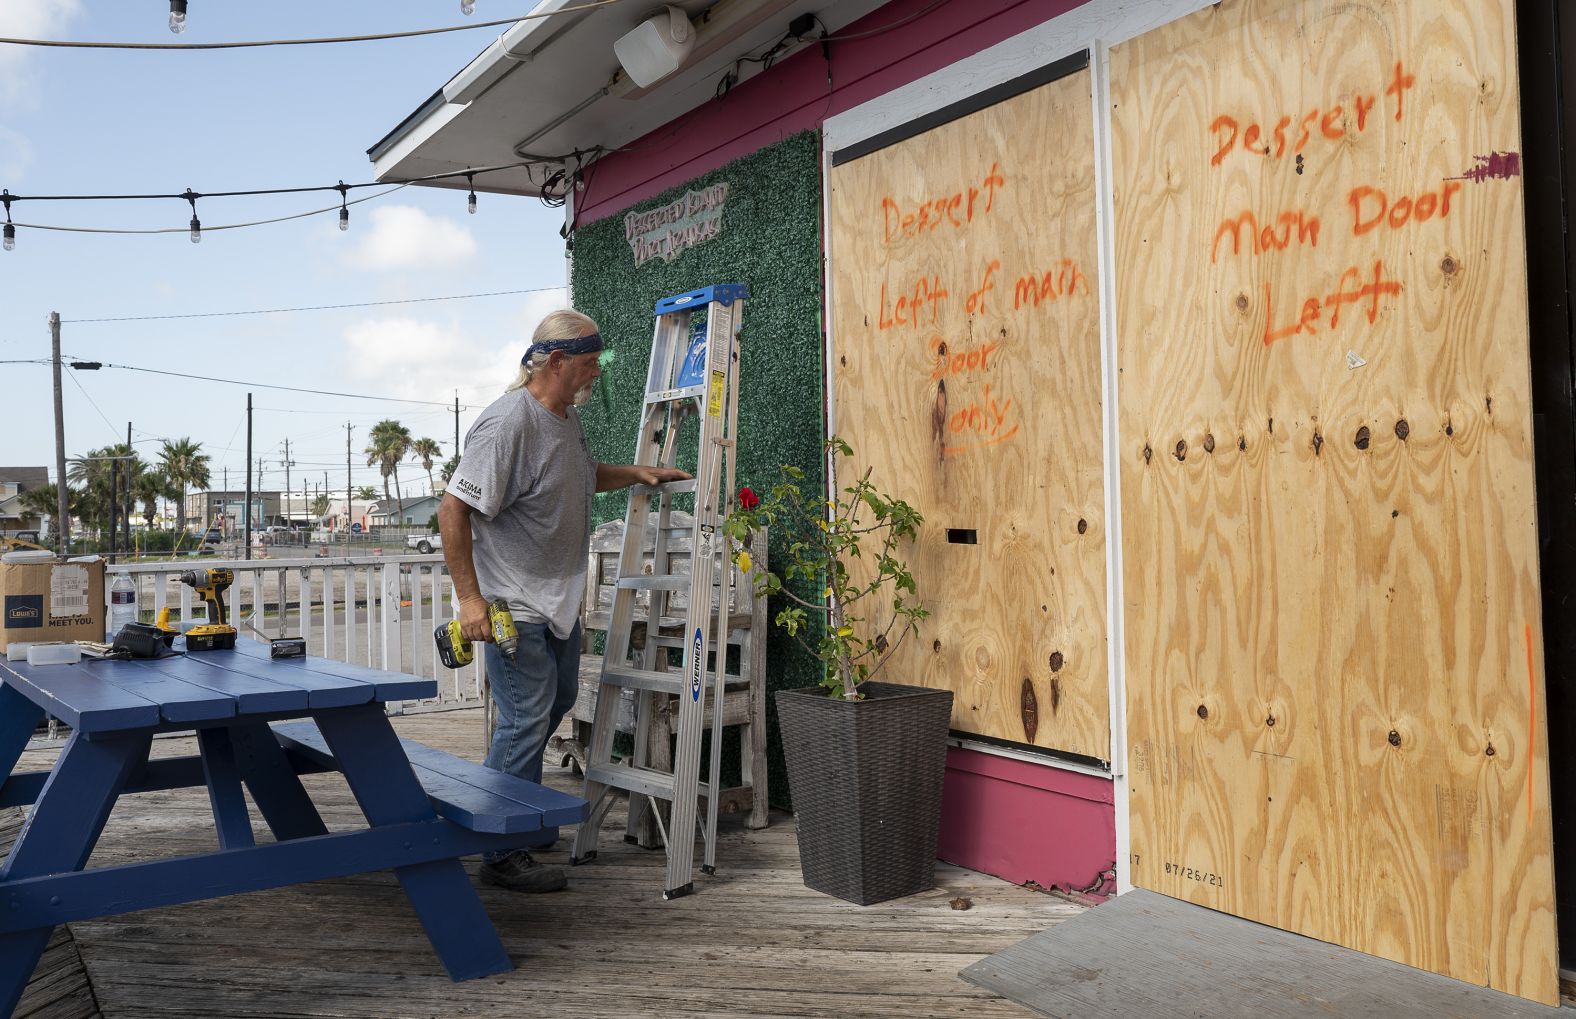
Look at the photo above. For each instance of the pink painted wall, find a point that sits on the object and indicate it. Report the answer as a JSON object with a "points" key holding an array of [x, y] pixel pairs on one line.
{"points": [[1027, 822], [794, 96]]}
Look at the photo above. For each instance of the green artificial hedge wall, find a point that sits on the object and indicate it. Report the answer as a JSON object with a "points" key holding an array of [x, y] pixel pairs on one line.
{"points": [[771, 241]]}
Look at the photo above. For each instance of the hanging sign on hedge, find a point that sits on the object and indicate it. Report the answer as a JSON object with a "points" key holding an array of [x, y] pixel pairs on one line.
{"points": [[669, 230]]}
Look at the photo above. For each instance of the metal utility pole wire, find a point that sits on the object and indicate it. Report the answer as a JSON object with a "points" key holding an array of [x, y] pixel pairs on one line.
{"points": [[246, 536], [63, 518]]}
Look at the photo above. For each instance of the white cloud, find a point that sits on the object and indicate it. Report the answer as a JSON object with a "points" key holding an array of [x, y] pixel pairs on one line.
{"points": [[535, 307], [405, 237], [29, 19], [407, 357]]}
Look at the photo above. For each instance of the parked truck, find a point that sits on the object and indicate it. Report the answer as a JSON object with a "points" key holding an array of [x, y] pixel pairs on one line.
{"points": [[425, 543]]}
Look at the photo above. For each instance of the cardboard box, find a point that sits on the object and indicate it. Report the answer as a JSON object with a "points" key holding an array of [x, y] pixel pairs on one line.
{"points": [[51, 601]]}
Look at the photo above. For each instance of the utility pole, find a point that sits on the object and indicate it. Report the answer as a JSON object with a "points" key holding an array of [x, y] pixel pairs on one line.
{"points": [[246, 533], [288, 464], [131, 503], [349, 505], [224, 505], [456, 422], [62, 517]]}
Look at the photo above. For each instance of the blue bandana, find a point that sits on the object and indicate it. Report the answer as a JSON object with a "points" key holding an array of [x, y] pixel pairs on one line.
{"points": [[574, 345]]}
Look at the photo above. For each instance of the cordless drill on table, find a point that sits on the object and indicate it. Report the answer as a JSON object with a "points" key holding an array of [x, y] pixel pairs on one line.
{"points": [[215, 634], [455, 651]]}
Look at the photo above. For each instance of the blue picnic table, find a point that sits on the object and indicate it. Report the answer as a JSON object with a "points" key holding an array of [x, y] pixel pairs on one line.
{"points": [[425, 808]]}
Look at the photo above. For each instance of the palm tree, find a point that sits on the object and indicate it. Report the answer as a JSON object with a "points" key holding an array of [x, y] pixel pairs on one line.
{"points": [[41, 502], [184, 464], [148, 488], [390, 444], [450, 465], [320, 506], [428, 452], [366, 493], [95, 470]]}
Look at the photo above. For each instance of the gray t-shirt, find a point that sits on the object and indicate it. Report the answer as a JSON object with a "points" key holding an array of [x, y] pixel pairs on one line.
{"points": [[529, 475]]}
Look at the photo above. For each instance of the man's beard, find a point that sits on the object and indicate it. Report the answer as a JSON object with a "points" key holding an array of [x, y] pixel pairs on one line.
{"points": [[583, 395]]}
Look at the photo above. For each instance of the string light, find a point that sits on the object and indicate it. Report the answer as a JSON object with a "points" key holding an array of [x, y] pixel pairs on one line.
{"points": [[177, 16], [192, 196], [196, 225]]}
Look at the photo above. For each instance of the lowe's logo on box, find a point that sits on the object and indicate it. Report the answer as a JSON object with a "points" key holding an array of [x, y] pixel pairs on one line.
{"points": [[24, 610]]}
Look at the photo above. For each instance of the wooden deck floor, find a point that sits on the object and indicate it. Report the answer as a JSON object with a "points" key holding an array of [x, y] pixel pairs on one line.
{"points": [[752, 941]]}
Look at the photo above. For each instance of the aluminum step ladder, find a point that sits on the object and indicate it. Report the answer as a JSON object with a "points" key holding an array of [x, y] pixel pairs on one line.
{"points": [[693, 375]]}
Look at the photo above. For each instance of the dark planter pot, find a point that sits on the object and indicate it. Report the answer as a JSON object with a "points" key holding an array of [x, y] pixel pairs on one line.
{"points": [[866, 783]]}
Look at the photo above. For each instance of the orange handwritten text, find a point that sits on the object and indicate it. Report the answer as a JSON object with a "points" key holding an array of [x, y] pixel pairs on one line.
{"points": [[1061, 280], [1293, 131], [976, 300], [1262, 238], [1370, 207], [959, 362], [982, 423], [1313, 308], [955, 210], [911, 305]]}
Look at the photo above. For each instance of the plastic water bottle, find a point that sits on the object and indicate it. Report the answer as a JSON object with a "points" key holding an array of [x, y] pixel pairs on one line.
{"points": [[122, 604]]}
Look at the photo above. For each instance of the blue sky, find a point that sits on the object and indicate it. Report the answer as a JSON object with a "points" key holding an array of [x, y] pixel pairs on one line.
{"points": [[115, 122]]}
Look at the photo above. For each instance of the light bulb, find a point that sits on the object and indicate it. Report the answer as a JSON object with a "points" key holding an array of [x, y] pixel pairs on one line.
{"points": [[196, 230], [177, 16], [470, 204], [344, 218], [10, 237], [467, 7]]}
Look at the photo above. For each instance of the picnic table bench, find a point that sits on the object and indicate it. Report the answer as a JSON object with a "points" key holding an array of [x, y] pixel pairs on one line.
{"points": [[425, 808]]}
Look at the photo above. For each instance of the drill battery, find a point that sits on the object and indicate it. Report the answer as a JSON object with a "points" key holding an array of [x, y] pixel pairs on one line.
{"points": [[455, 652]]}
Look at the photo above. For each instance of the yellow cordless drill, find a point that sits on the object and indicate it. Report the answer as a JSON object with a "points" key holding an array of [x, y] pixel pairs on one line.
{"points": [[455, 651], [216, 634]]}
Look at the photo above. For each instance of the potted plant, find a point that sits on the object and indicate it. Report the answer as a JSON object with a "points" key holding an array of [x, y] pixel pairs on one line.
{"points": [[865, 759]]}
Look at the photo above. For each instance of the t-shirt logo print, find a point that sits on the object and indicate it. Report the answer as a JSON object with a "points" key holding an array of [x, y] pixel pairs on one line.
{"points": [[470, 487]]}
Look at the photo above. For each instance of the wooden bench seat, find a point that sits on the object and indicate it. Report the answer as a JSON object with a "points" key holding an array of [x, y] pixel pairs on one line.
{"points": [[471, 795]]}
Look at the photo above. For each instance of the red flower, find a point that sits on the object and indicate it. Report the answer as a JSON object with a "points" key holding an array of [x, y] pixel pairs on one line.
{"points": [[748, 499]]}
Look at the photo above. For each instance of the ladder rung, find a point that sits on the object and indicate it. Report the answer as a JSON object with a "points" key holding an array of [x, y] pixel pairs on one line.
{"points": [[645, 781], [643, 679], [674, 395], [656, 582], [672, 487]]}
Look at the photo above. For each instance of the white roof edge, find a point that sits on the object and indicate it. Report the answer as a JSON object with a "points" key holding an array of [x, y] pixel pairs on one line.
{"points": [[514, 47], [388, 161]]}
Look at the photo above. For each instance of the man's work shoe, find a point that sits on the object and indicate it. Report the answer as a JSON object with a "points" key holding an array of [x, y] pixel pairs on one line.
{"points": [[519, 873]]}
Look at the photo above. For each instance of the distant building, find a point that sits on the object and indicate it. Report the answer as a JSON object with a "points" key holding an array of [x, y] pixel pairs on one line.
{"points": [[413, 513], [13, 482], [227, 510]]}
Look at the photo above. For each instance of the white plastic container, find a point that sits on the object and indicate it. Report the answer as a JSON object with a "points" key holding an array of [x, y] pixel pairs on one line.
{"points": [[17, 651], [54, 654], [122, 604]]}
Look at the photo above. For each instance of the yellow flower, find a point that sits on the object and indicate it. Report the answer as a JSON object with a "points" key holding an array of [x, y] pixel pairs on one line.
{"points": [[828, 593], [845, 631], [744, 561]]}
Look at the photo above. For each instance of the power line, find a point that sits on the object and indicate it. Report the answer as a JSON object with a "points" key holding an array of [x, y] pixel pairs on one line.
{"points": [[315, 307], [590, 4], [257, 385], [288, 389]]}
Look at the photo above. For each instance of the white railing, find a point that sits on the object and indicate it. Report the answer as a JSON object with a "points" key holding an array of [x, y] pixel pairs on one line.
{"points": [[367, 610]]}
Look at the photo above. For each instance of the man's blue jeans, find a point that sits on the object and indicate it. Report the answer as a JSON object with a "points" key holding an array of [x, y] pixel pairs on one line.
{"points": [[531, 694]]}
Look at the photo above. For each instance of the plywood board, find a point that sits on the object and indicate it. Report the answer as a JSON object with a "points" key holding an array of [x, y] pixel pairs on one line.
{"points": [[1334, 648], [967, 374]]}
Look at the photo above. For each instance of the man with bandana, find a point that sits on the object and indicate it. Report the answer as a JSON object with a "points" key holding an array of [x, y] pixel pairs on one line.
{"points": [[516, 525]]}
